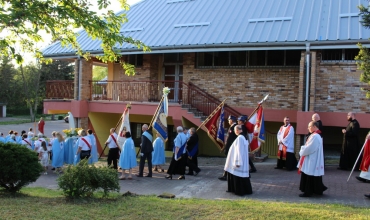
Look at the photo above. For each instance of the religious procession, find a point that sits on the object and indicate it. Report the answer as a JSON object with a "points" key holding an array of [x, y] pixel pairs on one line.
{"points": [[244, 136]]}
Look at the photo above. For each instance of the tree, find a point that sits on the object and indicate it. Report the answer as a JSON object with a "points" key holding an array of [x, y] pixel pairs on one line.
{"points": [[7, 83], [99, 72], [31, 84], [363, 57], [23, 21]]}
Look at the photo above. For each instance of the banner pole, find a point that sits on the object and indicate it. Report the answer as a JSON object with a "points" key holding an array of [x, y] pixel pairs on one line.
{"points": [[155, 114]]}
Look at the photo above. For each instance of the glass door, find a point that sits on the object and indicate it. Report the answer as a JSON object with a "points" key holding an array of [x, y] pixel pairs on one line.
{"points": [[173, 76]]}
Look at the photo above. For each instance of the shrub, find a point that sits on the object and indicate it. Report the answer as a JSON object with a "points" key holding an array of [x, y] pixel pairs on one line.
{"points": [[60, 117], [19, 166], [83, 180]]}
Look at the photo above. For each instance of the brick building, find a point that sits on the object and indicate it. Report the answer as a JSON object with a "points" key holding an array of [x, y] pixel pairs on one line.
{"points": [[300, 52]]}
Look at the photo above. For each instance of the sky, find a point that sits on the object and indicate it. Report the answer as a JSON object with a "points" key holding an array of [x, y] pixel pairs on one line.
{"points": [[115, 6]]}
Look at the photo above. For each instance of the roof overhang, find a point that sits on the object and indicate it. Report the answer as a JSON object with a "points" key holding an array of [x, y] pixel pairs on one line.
{"points": [[314, 45]]}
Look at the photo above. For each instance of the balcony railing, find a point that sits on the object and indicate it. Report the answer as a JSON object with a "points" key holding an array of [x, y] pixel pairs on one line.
{"points": [[60, 89], [196, 99]]}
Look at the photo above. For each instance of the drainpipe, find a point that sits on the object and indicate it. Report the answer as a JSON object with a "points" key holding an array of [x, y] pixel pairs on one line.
{"points": [[79, 77], [307, 76]]}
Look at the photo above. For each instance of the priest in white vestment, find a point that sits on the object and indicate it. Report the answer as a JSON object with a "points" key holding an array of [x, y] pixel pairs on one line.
{"points": [[237, 165], [311, 163], [285, 138]]}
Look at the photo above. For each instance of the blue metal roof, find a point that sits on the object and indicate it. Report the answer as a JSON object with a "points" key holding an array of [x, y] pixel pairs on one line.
{"points": [[201, 25]]}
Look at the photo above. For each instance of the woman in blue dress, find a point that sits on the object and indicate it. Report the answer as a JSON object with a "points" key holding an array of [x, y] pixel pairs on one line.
{"points": [[94, 151], [127, 160], [58, 152], [158, 158]]}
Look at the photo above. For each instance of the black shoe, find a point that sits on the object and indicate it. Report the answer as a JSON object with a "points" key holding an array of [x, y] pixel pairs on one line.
{"points": [[138, 175], [148, 175], [367, 195], [304, 195], [169, 177], [361, 179], [223, 178], [252, 170], [190, 174], [278, 168], [196, 173], [182, 177]]}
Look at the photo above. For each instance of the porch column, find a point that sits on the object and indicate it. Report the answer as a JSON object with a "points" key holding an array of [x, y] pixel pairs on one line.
{"points": [[84, 75]]}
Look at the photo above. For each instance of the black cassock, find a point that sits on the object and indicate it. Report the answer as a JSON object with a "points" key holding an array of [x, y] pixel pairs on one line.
{"points": [[351, 147]]}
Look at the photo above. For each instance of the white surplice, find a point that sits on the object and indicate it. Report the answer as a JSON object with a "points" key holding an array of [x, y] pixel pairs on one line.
{"points": [[238, 155], [312, 151]]}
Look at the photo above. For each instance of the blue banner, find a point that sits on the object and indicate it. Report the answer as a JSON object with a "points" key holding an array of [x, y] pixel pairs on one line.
{"points": [[160, 123]]}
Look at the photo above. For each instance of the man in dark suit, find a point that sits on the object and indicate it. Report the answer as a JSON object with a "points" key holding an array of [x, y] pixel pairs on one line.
{"points": [[231, 136], [146, 151]]}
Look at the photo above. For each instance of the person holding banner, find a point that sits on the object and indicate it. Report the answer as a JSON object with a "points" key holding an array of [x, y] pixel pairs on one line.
{"points": [[365, 163], [113, 149], [311, 163], [192, 149], [231, 136], [146, 151], [285, 138], [241, 121], [84, 145], [178, 162], [237, 165]]}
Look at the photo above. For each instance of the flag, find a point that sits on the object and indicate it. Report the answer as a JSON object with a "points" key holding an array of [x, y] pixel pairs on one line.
{"points": [[256, 129], [125, 126], [160, 121], [215, 126]]}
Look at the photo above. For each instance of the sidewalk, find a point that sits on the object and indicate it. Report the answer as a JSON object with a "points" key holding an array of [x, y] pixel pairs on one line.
{"points": [[268, 185]]}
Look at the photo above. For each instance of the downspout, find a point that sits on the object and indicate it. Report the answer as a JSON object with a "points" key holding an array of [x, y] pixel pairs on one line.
{"points": [[79, 77], [307, 76]]}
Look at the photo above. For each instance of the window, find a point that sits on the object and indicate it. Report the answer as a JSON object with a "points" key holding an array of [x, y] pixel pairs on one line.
{"points": [[347, 55], [221, 58], [136, 60], [275, 57], [257, 58], [244, 59], [238, 58], [292, 57]]}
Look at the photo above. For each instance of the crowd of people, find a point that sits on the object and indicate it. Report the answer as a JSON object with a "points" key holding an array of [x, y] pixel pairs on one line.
{"points": [[238, 165]]}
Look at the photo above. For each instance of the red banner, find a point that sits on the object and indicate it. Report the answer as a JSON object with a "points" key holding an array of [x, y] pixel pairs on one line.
{"points": [[212, 127]]}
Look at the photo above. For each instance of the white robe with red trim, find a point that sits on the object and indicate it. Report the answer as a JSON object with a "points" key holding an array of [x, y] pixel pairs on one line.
{"points": [[312, 151], [288, 141]]}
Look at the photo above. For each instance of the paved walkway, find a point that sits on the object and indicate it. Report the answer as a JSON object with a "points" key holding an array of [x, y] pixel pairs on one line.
{"points": [[268, 185]]}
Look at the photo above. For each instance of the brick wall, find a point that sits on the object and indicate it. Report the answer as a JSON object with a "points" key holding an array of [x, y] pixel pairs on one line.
{"points": [[246, 87], [338, 88]]}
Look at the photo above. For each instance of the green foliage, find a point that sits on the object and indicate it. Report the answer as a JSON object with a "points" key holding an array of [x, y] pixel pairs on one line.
{"points": [[99, 72], [60, 117], [83, 180], [363, 57], [19, 166], [22, 23]]}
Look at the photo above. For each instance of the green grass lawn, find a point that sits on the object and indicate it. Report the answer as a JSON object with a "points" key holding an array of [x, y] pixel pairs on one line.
{"points": [[40, 203]]}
